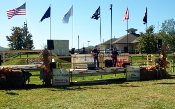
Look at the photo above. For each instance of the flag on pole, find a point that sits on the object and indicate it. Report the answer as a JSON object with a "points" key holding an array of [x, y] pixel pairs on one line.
{"points": [[17, 11], [46, 15], [145, 17], [96, 15], [67, 15], [126, 16]]}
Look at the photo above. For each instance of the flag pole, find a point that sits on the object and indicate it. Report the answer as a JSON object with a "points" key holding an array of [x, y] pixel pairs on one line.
{"points": [[72, 26], [50, 22], [78, 43], [100, 28], [127, 36], [111, 27]]}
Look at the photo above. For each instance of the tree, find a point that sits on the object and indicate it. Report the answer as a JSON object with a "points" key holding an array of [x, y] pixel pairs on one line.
{"points": [[147, 41], [167, 33], [20, 39], [168, 26]]}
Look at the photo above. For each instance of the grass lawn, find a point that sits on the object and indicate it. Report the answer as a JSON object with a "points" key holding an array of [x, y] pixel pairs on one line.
{"points": [[114, 93]]}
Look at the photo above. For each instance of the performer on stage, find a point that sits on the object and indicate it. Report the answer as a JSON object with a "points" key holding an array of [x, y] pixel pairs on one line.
{"points": [[114, 56], [95, 53]]}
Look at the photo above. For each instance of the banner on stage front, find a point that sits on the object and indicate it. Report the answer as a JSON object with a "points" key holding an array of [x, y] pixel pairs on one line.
{"points": [[132, 73], [60, 77]]}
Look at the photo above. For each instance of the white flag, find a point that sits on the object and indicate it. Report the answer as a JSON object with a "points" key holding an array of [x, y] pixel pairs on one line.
{"points": [[67, 15]]}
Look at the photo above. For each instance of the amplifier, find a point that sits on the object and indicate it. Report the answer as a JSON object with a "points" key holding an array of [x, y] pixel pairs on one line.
{"points": [[108, 63], [52, 65], [125, 63], [91, 66]]}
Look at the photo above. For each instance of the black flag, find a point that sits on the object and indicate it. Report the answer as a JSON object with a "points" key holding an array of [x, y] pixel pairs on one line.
{"points": [[96, 15], [145, 17], [46, 15]]}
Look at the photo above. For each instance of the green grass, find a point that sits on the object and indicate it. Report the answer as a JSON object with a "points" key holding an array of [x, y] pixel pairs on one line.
{"points": [[15, 62], [29, 55], [114, 94], [155, 94]]}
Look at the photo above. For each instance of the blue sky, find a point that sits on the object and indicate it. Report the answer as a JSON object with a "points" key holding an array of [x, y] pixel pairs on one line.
{"points": [[81, 24]]}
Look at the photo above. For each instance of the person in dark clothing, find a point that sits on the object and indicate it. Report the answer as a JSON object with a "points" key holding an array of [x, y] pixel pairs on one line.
{"points": [[95, 53], [84, 51], [114, 57]]}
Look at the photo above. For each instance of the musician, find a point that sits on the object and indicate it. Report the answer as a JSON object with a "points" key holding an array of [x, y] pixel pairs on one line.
{"points": [[95, 53], [114, 56]]}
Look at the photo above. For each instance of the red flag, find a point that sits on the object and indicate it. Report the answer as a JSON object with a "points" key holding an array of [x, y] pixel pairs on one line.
{"points": [[126, 16]]}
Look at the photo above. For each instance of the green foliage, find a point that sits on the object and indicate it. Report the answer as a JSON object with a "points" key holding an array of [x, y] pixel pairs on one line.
{"points": [[147, 41], [167, 33], [20, 39], [168, 26]]}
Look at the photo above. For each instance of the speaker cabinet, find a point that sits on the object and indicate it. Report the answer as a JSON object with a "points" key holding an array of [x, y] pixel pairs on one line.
{"points": [[108, 63], [52, 65], [0, 60], [50, 45], [72, 50], [125, 64], [91, 66], [159, 43]]}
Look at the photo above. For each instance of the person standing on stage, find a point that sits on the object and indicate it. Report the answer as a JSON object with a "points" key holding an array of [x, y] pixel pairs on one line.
{"points": [[114, 56], [95, 53]]}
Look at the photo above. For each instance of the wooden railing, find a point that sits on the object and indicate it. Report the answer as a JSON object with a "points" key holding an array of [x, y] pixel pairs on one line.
{"points": [[5, 57]]}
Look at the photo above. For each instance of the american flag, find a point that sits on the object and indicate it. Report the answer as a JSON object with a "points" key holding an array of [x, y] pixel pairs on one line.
{"points": [[126, 16], [17, 11]]}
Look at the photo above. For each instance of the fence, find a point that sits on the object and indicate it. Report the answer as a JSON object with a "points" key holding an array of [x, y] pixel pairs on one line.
{"points": [[16, 54], [134, 59], [172, 66], [142, 59]]}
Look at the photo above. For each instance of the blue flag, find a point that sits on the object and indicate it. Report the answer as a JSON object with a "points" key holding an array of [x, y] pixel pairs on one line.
{"points": [[96, 15], [46, 15], [145, 17]]}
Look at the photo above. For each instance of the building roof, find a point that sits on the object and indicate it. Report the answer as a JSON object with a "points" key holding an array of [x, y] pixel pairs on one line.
{"points": [[131, 30], [132, 38], [123, 39], [135, 41], [109, 41]]}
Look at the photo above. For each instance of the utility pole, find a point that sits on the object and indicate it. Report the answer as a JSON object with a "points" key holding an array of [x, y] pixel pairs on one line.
{"points": [[88, 43], [25, 25], [111, 27], [88, 46], [78, 43]]}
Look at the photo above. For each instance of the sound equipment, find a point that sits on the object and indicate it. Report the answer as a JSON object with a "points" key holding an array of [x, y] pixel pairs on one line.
{"points": [[0, 60], [159, 43], [52, 65], [72, 50], [125, 63], [91, 66], [108, 63], [156, 49], [50, 45]]}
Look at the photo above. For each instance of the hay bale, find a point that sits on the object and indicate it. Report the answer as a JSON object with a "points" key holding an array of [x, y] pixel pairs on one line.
{"points": [[148, 74], [153, 74], [14, 79]]}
